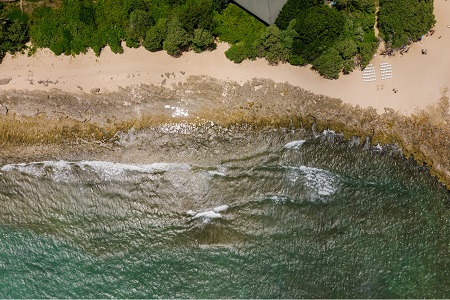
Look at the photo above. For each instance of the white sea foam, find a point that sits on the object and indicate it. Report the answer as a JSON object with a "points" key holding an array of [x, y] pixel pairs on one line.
{"points": [[221, 171], [177, 111], [294, 144], [324, 182], [176, 128], [208, 215], [320, 183], [220, 208], [378, 147], [278, 199], [217, 173], [66, 171]]}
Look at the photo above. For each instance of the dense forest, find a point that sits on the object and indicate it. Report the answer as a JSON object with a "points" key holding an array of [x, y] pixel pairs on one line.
{"points": [[404, 21], [333, 37], [13, 30]]}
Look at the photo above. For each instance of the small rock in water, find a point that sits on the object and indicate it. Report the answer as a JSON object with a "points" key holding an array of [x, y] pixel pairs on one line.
{"points": [[5, 81]]}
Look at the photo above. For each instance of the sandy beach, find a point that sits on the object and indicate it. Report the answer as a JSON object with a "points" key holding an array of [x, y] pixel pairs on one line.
{"points": [[418, 79]]}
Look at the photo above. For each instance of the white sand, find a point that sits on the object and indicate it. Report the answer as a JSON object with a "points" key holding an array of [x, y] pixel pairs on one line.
{"points": [[418, 78]]}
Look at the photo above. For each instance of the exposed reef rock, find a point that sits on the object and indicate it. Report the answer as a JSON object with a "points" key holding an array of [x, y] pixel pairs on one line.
{"points": [[57, 125]]}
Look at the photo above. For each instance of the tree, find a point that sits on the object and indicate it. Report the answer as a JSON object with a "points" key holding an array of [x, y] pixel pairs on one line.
{"points": [[330, 64], [294, 9], [196, 14], [402, 21], [177, 39], [236, 26], [43, 25], [317, 31], [140, 21], [156, 35], [13, 31], [203, 40], [132, 5], [367, 6], [237, 53], [347, 48], [275, 44]]}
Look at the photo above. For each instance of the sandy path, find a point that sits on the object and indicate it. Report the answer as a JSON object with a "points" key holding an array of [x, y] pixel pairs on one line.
{"points": [[418, 78]]}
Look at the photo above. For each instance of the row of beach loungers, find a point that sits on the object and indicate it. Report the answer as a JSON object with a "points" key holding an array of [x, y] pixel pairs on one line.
{"points": [[369, 73], [385, 71]]}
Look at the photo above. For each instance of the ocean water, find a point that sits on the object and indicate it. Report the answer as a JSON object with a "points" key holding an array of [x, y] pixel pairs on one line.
{"points": [[276, 214]]}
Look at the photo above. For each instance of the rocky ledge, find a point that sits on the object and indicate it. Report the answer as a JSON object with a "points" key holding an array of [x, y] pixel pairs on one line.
{"points": [[57, 125]]}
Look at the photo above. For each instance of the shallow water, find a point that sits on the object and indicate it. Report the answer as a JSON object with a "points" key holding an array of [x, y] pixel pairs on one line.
{"points": [[273, 214]]}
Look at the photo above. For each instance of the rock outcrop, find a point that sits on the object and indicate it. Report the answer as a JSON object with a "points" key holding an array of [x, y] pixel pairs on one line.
{"points": [[56, 120]]}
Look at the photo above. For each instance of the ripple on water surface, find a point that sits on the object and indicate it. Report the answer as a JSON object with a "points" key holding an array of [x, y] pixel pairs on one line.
{"points": [[292, 218]]}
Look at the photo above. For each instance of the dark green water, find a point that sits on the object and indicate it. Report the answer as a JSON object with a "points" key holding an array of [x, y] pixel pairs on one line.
{"points": [[255, 219]]}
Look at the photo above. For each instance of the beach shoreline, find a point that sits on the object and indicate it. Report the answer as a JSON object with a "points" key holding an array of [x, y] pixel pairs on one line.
{"points": [[418, 80]]}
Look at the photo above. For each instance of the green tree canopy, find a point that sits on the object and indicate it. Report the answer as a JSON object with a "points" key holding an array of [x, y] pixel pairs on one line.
{"points": [[13, 31], [294, 9], [401, 21], [203, 40], [330, 64], [366, 6], [177, 39], [319, 28], [156, 35], [276, 45], [197, 14], [235, 25], [140, 22]]}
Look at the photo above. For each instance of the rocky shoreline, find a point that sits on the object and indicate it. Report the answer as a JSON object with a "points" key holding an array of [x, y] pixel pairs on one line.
{"points": [[56, 125]]}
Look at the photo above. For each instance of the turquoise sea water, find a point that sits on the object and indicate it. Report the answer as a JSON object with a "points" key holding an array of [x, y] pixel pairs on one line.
{"points": [[268, 215]]}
